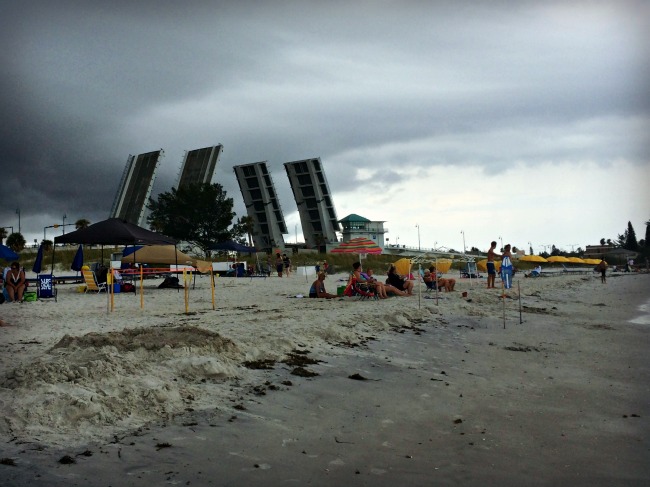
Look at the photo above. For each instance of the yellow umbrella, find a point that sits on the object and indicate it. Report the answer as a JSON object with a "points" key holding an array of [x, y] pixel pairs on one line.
{"points": [[592, 261], [442, 265], [403, 266], [533, 258], [558, 258], [576, 260]]}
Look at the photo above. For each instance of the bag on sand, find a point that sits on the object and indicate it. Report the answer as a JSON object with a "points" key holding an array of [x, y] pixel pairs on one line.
{"points": [[127, 287], [170, 282], [29, 296]]}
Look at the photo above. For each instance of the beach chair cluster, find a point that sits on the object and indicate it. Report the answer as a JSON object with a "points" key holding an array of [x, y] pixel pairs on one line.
{"points": [[358, 289]]}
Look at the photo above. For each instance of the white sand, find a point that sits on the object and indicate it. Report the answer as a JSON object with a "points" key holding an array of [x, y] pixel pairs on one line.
{"points": [[72, 373]]}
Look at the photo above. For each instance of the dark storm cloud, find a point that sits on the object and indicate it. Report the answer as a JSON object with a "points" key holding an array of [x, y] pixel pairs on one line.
{"points": [[415, 83]]}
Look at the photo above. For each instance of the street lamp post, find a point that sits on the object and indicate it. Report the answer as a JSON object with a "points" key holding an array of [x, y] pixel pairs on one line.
{"points": [[501, 242], [530, 247], [64, 217], [463, 232], [418, 227]]}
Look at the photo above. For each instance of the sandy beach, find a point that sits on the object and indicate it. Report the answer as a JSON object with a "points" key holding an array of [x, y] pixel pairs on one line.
{"points": [[274, 389]]}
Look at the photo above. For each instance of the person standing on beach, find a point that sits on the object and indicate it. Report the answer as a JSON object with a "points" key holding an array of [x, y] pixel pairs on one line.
{"points": [[506, 267], [287, 264], [279, 264], [602, 267], [491, 269]]}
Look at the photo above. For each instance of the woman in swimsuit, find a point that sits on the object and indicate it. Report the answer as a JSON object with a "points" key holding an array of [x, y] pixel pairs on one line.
{"points": [[15, 282]]}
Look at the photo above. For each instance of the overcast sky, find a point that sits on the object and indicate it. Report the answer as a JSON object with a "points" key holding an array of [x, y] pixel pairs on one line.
{"points": [[525, 121]]}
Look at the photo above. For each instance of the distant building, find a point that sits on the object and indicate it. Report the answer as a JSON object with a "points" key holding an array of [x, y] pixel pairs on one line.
{"points": [[598, 251], [354, 226], [262, 206], [135, 187], [315, 206], [199, 165]]}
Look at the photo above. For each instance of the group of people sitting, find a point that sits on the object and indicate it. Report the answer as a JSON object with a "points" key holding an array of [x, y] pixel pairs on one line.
{"points": [[395, 283]]}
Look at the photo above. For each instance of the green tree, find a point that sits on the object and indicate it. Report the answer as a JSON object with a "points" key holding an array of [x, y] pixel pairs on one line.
{"points": [[16, 242], [647, 233], [200, 214], [602, 241], [630, 241], [81, 224], [243, 229]]}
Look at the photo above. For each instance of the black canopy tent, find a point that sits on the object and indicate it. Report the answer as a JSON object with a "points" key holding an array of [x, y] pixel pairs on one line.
{"points": [[113, 231]]}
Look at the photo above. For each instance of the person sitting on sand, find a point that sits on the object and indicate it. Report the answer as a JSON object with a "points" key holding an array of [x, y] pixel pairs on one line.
{"points": [[371, 284], [382, 289], [429, 280], [536, 272], [448, 284], [317, 289], [399, 282], [15, 282]]}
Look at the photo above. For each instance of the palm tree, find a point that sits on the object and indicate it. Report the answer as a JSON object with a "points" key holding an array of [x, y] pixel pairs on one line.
{"points": [[81, 224], [247, 222], [16, 242]]}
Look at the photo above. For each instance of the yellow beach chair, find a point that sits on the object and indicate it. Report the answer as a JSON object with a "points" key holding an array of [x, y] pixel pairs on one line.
{"points": [[91, 282]]}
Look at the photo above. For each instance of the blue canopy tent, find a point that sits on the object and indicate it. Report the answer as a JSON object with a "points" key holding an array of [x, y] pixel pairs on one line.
{"points": [[232, 246], [7, 254]]}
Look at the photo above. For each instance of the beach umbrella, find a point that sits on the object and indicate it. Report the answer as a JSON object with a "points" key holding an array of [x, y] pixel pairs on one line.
{"points": [[576, 260], [38, 263], [7, 254], [403, 266], [442, 265], [533, 258], [78, 261], [558, 259], [592, 261], [359, 245]]}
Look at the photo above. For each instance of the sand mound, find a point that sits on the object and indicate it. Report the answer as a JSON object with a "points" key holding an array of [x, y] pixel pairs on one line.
{"points": [[150, 339], [122, 379]]}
